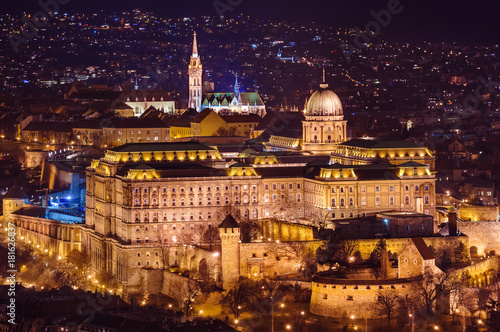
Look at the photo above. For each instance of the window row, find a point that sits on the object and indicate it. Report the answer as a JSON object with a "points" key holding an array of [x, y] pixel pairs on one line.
{"points": [[193, 189], [191, 201]]}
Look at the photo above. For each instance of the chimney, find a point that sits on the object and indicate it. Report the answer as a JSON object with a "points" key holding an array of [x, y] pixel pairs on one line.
{"points": [[452, 223]]}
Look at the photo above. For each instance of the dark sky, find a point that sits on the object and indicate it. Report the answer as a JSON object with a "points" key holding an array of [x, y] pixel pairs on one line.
{"points": [[448, 20]]}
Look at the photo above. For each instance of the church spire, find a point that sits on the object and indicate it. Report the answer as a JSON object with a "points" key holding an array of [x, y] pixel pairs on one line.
{"points": [[195, 47], [236, 86]]}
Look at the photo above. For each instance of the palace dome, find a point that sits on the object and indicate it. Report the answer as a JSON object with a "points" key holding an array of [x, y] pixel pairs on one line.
{"points": [[324, 102]]}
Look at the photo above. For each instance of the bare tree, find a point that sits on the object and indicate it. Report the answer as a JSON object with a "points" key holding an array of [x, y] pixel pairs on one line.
{"points": [[80, 259], [211, 236], [237, 298], [186, 299], [434, 285], [322, 219], [386, 303], [249, 231]]}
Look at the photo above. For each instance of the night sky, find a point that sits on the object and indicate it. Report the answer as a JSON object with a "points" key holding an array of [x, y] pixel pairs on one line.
{"points": [[430, 20]]}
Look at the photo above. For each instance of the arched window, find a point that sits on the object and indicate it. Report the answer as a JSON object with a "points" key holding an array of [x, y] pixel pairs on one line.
{"points": [[209, 200], [407, 200], [226, 199], [164, 202], [145, 201], [351, 201], [137, 217], [217, 200], [245, 199], [182, 201], [254, 199], [191, 200], [416, 187], [200, 200], [200, 215], [342, 202], [426, 199], [254, 213], [237, 214], [173, 201], [315, 138], [155, 201], [136, 201], [237, 199], [333, 202], [209, 215], [329, 138]]}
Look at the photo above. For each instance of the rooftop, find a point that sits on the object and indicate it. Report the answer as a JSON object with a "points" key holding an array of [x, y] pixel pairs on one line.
{"points": [[381, 143], [168, 146]]}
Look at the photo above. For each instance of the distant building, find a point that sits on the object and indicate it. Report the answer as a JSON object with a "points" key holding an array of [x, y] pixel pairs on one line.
{"points": [[221, 102]]}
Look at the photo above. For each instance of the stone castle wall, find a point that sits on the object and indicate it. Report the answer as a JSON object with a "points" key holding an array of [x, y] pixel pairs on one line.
{"points": [[352, 297], [440, 245], [483, 235], [269, 259], [478, 213]]}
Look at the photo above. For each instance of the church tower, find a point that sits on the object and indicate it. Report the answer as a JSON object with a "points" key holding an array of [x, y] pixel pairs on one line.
{"points": [[195, 78], [324, 126], [229, 231]]}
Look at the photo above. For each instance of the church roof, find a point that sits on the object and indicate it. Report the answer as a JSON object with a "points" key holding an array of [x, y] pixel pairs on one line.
{"points": [[229, 222], [250, 98], [15, 192]]}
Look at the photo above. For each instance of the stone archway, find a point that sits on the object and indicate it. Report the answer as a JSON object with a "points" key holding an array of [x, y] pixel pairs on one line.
{"points": [[255, 271], [473, 251]]}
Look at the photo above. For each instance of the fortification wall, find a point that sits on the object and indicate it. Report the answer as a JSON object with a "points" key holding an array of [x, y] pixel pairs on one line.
{"points": [[269, 259], [344, 300], [484, 236], [478, 213], [438, 244]]}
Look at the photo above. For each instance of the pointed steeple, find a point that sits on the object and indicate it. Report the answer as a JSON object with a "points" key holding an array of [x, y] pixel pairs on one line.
{"points": [[236, 86], [195, 47]]}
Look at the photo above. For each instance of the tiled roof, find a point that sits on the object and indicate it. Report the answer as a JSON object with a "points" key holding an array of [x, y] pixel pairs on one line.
{"points": [[202, 115], [423, 249], [150, 95], [49, 126], [38, 212], [229, 222], [241, 118], [15, 192]]}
